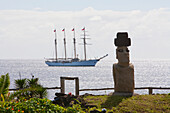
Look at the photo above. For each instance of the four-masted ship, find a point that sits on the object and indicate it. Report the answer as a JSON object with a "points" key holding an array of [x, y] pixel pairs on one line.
{"points": [[72, 61]]}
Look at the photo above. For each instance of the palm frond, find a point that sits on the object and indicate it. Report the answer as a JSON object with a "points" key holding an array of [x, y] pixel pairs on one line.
{"points": [[32, 82], [20, 83], [4, 84], [41, 91]]}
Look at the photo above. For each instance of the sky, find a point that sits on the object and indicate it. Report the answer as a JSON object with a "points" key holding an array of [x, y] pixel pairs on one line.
{"points": [[27, 27]]}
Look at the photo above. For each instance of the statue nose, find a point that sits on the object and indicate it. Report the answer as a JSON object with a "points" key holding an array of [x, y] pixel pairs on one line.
{"points": [[125, 52]]}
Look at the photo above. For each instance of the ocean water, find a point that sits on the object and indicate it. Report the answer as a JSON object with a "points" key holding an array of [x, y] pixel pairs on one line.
{"points": [[148, 73]]}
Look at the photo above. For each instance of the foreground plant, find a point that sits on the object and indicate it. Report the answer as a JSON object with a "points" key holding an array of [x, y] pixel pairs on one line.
{"points": [[37, 105], [27, 88], [4, 85], [30, 88]]}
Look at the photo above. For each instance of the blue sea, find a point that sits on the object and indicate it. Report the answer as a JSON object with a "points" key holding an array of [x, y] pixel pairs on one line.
{"points": [[148, 73]]}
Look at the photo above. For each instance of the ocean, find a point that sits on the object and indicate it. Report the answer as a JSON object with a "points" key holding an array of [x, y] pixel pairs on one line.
{"points": [[148, 73]]}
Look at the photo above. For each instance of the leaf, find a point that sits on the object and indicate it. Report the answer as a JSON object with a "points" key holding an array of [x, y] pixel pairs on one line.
{"points": [[4, 84], [33, 82], [2, 98], [20, 83]]}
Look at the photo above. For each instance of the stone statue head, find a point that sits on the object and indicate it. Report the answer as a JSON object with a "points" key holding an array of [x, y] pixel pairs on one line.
{"points": [[122, 54]]}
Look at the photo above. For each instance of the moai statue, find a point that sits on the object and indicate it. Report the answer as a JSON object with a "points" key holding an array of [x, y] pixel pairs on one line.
{"points": [[123, 71]]}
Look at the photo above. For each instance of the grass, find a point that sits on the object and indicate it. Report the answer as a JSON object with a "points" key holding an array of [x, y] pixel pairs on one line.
{"points": [[139, 103], [116, 104], [104, 101], [96, 100]]}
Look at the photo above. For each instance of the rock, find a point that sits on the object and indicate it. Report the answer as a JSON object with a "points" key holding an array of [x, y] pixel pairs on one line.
{"points": [[68, 100]]}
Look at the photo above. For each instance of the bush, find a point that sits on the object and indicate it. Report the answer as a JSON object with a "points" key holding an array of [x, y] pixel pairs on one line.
{"points": [[36, 105]]}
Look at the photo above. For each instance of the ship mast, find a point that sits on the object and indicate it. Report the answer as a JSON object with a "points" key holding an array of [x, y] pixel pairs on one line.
{"points": [[84, 42], [55, 41], [65, 43], [74, 41]]}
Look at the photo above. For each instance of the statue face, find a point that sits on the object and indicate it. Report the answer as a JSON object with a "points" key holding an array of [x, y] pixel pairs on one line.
{"points": [[122, 54]]}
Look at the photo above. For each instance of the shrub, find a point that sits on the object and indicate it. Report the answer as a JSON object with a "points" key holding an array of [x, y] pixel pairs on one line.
{"points": [[34, 89], [37, 105]]}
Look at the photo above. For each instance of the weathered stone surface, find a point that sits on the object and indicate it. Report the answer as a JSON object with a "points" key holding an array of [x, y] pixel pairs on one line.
{"points": [[123, 73], [123, 78]]}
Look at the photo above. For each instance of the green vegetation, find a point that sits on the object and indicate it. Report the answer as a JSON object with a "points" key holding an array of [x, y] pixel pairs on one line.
{"points": [[136, 104], [104, 101], [32, 88], [95, 100], [4, 85], [21, 83], [31, 100], [37, 105], [146, 103]]}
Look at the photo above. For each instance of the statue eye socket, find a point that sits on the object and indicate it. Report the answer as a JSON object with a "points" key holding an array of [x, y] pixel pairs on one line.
{"points": [[120, 50], [127, 50]]}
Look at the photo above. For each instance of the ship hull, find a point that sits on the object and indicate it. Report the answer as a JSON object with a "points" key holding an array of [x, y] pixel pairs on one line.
{"points": [[72, 64]]}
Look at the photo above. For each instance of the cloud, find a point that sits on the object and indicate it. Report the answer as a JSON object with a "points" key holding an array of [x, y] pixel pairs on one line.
{"points": [[29, 34], [96, 18]]}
